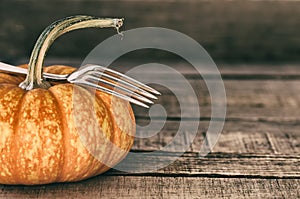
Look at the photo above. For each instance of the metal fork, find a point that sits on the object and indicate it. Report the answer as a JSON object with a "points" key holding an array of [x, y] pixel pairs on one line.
{"points": [[121, 85]]}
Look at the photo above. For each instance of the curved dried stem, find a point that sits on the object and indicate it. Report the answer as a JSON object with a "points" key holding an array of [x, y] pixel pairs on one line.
{"points": [[34, 78]]}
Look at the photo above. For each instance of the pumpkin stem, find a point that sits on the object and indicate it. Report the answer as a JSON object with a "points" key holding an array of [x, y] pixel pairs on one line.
{"points": [[34, 78]]}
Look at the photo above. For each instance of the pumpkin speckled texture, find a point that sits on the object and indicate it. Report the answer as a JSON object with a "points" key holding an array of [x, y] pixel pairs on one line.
{"points": [[39, 139]]}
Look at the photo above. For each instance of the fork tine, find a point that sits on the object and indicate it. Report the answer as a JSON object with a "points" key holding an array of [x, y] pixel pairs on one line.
{"points": [[126, 78], [109, 91], [128, 92], [99, 75]]}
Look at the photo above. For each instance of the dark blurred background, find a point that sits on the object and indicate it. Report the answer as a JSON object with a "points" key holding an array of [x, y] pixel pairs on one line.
{"points": [[231, 31]]}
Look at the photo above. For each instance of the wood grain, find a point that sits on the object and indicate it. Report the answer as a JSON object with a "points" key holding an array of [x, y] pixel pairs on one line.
{"points": [[216, 165], [237, 137], [254, 100], [160, 187]]}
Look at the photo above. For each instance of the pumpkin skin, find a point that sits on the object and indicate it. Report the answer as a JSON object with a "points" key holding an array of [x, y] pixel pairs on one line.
{"points": [[41, 142]]}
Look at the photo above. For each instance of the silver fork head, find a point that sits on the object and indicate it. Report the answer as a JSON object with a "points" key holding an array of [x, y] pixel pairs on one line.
{"points": [[114, 83]]}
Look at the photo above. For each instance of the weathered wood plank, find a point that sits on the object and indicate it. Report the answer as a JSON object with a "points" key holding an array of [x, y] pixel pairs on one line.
{"points": [[238, 137], [259, 138], [214, 164], [160, 187], [252, 100]]}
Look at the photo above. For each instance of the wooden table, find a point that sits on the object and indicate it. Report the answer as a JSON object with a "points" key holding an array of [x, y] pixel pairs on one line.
{"points": [[257, 154]]}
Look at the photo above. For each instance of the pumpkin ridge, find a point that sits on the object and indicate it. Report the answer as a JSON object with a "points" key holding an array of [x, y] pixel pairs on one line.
{"points": [[15, 168], [95, 163], [62, 176], [63, 128], [67, 132], [3, 92], [112, 138]]}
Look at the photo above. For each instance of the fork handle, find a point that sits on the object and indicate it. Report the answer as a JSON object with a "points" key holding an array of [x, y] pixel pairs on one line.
{"points": [[14, 69]]}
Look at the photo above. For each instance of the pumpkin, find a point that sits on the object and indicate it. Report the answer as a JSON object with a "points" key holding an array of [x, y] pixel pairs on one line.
{"points": [[59, 132]]}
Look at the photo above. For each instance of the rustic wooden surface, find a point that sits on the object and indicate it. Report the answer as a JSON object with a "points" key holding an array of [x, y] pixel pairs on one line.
{"points": [[257, 154]]}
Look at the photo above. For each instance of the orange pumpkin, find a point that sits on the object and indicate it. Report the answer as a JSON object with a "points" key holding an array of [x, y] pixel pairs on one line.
{"points": [[43, 139]]}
